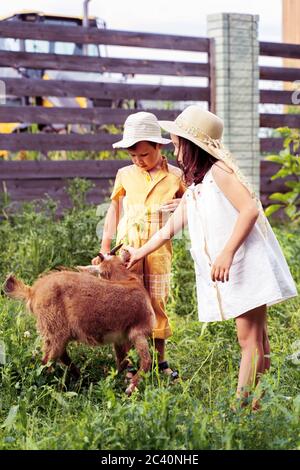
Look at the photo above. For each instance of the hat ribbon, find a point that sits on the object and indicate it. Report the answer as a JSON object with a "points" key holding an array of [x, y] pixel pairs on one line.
{"points": [[198, 133]]}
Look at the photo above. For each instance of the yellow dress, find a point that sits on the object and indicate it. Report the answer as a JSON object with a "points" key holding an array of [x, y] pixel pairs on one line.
{"points": [[141, 198]]}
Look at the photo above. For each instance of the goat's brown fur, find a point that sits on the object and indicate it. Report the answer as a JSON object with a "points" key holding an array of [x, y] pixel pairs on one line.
{"points": [[113, 307]]}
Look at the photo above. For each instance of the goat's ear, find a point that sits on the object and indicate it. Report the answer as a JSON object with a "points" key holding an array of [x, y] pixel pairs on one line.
{"points": [[92, 269], [105, 274], [105, 270]]}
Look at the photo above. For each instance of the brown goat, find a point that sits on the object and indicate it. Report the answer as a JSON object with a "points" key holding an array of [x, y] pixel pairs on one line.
{"points": [[112, 307]]}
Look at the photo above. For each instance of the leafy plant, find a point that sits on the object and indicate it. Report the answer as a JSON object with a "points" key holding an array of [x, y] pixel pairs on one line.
{"points": [[289, 162], [77, 189]]}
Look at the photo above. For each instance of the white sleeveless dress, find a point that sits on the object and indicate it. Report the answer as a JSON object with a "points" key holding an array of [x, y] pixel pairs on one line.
{"points": [[259, 273]]}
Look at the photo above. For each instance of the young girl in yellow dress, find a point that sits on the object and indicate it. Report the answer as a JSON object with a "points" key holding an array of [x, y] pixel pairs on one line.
{"points": [[147, 192]]}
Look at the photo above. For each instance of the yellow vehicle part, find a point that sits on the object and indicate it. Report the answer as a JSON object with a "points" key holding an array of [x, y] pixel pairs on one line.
{"points": [[48, 103], [7, 128]]}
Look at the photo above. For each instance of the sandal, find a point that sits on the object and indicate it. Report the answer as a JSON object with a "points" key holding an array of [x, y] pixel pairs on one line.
{"points": [[174, 375]]}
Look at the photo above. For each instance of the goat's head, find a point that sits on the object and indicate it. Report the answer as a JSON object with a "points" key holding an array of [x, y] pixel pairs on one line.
{"points": [[110, 266]]}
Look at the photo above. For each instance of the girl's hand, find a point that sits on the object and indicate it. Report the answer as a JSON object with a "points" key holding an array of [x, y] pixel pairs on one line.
{"points": [[170, 206], [132, 256], [220, 268]]}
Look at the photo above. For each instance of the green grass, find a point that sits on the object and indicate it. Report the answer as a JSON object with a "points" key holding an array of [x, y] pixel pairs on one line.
{"points": [[41, 410]]}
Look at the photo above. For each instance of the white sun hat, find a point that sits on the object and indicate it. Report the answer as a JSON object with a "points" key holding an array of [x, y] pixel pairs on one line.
{"points": [[139, 127]]}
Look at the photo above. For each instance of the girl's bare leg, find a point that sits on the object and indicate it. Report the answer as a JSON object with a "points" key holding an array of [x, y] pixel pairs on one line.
{"points": [[267, 364], [250, 331]]}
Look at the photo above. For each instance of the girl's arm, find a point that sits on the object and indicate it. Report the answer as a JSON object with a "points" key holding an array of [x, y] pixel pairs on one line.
{"points": [[241, 199], [175, 223]]}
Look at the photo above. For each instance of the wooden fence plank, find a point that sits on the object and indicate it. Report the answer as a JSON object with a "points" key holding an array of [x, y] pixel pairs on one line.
{"points": [[276, 97], [276, 186], [267, 169], [113, 91], [36, 188], [47, 142], [279, 49], [41, 170], [102, 64], [271, 145], [97, 116], [19, 195], [280, 120], [82, 35], [212, 75], [19, 169], [28, 180], [286, 74]]}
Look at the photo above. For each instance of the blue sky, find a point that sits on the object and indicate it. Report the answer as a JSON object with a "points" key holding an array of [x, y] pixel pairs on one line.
{"points": [[186, 17]]}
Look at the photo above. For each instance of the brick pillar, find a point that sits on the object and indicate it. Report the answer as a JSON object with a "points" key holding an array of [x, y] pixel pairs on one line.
{"points": [[237, 86]]}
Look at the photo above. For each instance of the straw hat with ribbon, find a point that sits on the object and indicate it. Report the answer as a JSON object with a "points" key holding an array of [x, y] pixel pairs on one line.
{"points": [[205, 129]]}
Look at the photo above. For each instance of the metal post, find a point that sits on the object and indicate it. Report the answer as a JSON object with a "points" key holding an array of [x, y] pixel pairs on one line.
{"points": [[85, 23]]}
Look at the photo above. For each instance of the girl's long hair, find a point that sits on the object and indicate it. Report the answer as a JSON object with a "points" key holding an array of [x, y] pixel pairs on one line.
{"points": [[195, 161]]}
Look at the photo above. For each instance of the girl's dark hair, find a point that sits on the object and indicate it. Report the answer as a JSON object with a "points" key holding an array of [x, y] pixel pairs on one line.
{"points": [[195, 161]]}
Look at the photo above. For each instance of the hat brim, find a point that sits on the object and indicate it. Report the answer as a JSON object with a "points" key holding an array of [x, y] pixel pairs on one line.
{"points": [[173, 128], [126, 143]]}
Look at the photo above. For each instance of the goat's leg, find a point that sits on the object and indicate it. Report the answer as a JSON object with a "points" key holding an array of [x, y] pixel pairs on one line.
{"points": [[141, 345], [121, 351], [67, 361], [46, 355], [57, 351]]}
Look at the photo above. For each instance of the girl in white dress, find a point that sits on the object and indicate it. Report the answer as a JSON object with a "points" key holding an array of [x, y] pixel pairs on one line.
{"points": [[239, 266]]}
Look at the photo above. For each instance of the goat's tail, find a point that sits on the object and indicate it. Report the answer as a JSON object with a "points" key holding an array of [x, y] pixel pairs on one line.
{"points": [[16, 289]]}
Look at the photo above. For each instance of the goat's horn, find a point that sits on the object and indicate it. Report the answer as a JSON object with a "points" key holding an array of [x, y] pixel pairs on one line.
{"points": [[115, 249]]}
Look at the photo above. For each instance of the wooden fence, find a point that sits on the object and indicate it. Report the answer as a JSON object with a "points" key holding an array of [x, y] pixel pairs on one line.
{"points": [[26, 180], [284, 97], [29, 180], [28, 87]]}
